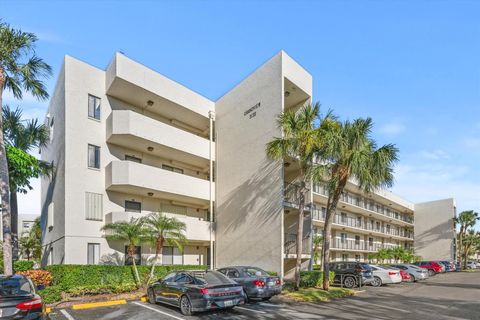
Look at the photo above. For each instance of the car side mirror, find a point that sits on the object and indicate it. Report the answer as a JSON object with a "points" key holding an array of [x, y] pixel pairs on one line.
{"points": [[40, 287]]}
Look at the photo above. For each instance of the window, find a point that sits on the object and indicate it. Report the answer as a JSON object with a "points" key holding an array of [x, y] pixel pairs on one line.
{"points": [[343, 237], [170, 277], [357, 257], [137, 255], [370, 242], [133, 206], [52, 126], [232, 273], [344, 257], [357, 240], [378, 225], [343, 217], [133, 158], [94, 107], [93, 206], [93, 253], [50, 215], [170, 168], [388, 228], [173, 209], [183, 278], [171, 255], [359, 222], [93, 156]]}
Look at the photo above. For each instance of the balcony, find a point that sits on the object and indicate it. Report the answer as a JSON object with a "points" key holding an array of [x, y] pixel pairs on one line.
{"points": [[290, 245], [136, 131], [353, 245], [357, 203], [292, 198], [136, 178], [196, 229], [360, 225]]}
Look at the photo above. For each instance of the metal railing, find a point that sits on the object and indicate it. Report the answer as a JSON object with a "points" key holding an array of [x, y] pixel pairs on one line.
{"points": [[291, 195], [355, 245], [290, 244]]}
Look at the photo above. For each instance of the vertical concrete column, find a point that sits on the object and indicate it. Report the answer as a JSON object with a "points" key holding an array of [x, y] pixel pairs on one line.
{"points": [[211, 116]]}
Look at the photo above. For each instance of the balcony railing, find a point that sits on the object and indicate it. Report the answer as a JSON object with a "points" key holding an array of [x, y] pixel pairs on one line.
{"points": [[365, 203], [319, 214], [290, 245], [291, 195], [355, 245]]}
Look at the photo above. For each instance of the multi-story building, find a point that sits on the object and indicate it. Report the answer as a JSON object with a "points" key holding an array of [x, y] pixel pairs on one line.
{"points": [[127, 141], [25, 223]]}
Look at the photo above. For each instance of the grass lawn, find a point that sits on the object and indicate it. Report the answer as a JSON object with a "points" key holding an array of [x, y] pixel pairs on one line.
{"points": [[317, 295]]}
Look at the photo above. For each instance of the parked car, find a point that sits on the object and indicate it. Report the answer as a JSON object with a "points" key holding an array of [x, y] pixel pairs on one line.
{"points": [[432, 267], [256, 282], [351, 274], [416, 273], [18, 298], [471, 265], [194, 291], [383, 275], [449, 266], [458, 266]]}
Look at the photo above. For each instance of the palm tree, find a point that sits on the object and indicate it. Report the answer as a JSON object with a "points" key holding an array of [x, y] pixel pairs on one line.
{"points": [[298, 143], [466, 220], [20, 70], [29, 245], [133, 232], [397, 253], [24, 135], [164, 230], [347, 151], [317, 241]]}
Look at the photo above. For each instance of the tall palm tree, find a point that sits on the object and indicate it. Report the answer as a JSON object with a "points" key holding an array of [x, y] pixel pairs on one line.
{"points": [[298, 143], [348, 151], [20, 70], [164, 230], [132, 232], [24, 135], [471, 242], [466, 220], [29, 245]]}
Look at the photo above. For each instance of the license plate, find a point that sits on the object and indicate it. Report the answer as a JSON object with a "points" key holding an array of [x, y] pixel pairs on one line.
{"points": [[270, 283], [228, 303]]}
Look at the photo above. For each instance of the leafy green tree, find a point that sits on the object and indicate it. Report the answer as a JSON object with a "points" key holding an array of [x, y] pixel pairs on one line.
{"points": [[164, 230], [398, 253], [134, 233], [24, 135], [300, 136], [347, 151], [466, 220], [20, 71], [317, 245], [471, 242]]}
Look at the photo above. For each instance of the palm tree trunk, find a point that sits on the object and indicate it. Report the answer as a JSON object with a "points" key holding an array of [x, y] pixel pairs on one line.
{"points": [[301, 207], [5, 194], [131, 253], [158, 251], [460, 253], [327, 232], [14, 217]]}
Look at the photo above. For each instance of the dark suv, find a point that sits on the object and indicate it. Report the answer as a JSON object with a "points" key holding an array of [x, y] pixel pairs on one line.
{"points": [[351, 274]]}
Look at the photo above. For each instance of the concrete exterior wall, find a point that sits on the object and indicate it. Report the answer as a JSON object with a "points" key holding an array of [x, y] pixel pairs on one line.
{"points": [[249, 207], [435, 229]]}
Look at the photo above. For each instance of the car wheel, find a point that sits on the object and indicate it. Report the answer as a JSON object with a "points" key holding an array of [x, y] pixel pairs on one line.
{"points": [[377, 282], [412, 277], [151, 296], [185, 306], [349, 282], [431, 273]]}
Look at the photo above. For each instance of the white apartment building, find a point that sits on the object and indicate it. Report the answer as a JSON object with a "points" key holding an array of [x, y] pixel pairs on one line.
{"points": [[127, 141], [25, 223]]}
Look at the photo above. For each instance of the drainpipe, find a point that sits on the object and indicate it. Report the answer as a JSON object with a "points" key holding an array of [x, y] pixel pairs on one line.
{"points": [[211, 116]]}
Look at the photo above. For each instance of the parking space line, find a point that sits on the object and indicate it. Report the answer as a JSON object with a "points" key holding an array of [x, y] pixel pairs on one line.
{"points": [[253, 310], [66, 314], [156, 310]]}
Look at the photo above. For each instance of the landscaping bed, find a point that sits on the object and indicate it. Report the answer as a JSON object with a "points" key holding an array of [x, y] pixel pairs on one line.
{"points": [[316, 294]]}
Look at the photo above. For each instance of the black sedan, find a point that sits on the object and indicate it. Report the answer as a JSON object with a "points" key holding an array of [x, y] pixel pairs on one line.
{"points": [[256, 282], [18, 299], [195, 291]]}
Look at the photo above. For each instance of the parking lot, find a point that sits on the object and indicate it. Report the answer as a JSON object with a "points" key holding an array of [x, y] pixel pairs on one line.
{"points": [[445, 296]]}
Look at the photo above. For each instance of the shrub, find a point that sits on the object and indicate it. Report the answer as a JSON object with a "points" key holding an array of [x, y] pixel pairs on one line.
{"points": [[22, 265], [38, 277], [272, 273], [51, 294], [309, 279]]}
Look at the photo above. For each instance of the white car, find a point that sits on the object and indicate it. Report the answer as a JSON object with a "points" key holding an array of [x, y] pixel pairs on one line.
{"points": [[471, 265], [382, 275]]}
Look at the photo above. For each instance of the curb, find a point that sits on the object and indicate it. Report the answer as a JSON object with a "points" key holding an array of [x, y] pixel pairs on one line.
{"points": [[98, 304]]}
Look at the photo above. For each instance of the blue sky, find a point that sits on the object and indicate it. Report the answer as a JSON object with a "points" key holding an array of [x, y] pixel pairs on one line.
{"points": [[413, 66]]}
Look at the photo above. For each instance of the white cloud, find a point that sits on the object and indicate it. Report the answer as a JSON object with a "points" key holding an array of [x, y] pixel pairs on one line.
{"points": [[437, 154], [392, 128]]}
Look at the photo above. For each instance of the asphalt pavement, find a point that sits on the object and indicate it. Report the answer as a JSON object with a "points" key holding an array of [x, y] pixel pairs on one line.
{"points": [[451, 296]]}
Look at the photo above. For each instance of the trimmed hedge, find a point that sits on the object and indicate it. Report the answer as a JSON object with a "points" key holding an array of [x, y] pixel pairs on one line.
{"points": [[310, 279], [22, 265], [73, 276]]}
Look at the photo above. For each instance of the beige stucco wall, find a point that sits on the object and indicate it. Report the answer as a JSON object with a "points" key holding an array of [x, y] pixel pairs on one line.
{"points": [[434, 229]]}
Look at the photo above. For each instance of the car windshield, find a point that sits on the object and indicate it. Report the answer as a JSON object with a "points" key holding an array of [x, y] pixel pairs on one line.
{"points": [[15, 287], [212, 278], [365, 266], [255, 272]]}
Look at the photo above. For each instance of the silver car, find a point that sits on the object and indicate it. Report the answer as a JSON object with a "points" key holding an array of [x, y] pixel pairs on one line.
{"points": [[415, 272], [384, 275]]}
